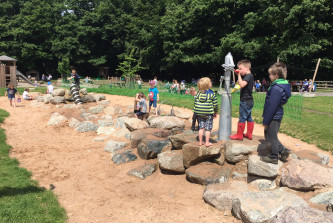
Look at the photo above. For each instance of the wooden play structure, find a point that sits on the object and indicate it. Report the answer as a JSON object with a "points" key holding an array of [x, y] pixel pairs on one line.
{"points": [[7, 71]]}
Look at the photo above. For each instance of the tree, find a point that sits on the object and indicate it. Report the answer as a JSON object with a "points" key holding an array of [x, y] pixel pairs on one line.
{"points": [[64, 68]]}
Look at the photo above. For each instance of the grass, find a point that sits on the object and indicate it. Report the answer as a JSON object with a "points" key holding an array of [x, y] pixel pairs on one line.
{"points": [[21, 89], [21, 199], [313, 128]]}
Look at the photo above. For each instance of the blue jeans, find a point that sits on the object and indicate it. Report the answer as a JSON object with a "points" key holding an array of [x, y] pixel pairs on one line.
{"points": [[245, 112]]}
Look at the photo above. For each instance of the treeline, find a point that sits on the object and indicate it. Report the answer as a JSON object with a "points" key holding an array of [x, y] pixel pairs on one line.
{"points": [[171, 38]]}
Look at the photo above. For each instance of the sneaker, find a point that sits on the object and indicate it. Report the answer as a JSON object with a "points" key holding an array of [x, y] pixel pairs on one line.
{"points": [[284, 155], [267, 159]]}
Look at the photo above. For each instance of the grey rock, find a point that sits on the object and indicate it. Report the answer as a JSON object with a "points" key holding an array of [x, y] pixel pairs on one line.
{"points": [[136, 137], [260, 168], [323, 198], [263, 206], [106, 130], [302, 215], [193, 153], [220, 159], [105, 122], [83, 91], [220, 195], [207, 173], [149, 149], [100, 138], [47, 98], [171, 161], [57, 100], [183, 115], [166, 122], [239, 176], [105, 102], [40, 98], [143, 171], [56, 119], [123, 133], [99, 97], [88, 116], [113, 146], [120, 122], [112, 110], [123, 157], [69, 106], [96, 109], [262, 183], [88, 98], [58, 92], [135, 124], [313, 157], [235, 152], [106, 117], [86, 126], [179, 140], [73, 122]]}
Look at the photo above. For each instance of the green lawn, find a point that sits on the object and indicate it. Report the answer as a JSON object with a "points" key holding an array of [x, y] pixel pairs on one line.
{"points": [[312, 128], [21, 89], [21, 199]]}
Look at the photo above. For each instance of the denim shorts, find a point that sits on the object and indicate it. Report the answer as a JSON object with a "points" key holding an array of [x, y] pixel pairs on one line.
{"points": [[245, 112], [11, 98], [154, 103], [205, 122]]}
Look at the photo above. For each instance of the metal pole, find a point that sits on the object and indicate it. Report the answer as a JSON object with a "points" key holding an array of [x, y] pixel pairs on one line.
{"points": [[225, 110]]}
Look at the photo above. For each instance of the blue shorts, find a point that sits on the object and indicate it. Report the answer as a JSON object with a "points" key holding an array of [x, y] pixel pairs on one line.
{"points": [[154, 103], [11, 98], [206, 122]]}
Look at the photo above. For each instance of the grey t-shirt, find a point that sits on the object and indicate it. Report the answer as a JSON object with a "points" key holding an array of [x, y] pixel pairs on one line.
{"points": [[143, 105]]}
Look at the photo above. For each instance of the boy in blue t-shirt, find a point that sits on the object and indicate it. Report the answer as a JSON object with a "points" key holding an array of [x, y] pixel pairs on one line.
{"points": [[11, 91], [153, 96], [276, 97]]}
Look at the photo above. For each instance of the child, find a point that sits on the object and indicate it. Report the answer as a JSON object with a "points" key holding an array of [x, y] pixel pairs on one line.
{"points": [[205, 107], [193, 92], [139, 83], [76, 78], [153, 96], [245, 81], [142, 108], [49, 88], [276, 97], [11, 91], [26, 95], [182, 88]]}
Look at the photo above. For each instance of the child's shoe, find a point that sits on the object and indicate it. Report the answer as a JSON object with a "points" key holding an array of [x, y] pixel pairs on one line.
{"points": [[250, 127], [267, 159], [240, 131], [284, 155]]}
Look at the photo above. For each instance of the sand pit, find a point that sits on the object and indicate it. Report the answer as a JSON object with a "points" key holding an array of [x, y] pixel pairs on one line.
{"points": [[93, 189]]}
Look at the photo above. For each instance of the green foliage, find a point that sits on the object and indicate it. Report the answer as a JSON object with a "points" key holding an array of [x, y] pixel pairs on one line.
{"points": [[171, 38], [130, 66], [64, 68], [21, 199]]}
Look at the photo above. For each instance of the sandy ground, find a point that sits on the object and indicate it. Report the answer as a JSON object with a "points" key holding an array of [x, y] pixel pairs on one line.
{"points": [[93, 189]]}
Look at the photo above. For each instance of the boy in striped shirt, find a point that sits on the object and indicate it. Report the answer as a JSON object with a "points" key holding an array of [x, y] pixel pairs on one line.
{"points": [[205, 107]]}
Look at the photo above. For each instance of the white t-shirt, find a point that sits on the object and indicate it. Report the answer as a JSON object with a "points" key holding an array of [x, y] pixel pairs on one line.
{"points": [[25, 95], [155, 82], [50, 89]]}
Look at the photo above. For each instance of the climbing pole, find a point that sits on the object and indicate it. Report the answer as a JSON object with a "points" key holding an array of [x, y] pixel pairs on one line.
{"points": [[75, 94]]}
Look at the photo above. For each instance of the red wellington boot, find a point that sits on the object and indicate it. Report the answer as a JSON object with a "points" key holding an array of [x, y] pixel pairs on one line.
{"points": [[250, 126], [240, 131]]}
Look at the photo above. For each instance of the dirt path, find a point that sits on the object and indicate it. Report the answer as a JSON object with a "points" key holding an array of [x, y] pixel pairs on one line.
{"points": [[91, 187]]}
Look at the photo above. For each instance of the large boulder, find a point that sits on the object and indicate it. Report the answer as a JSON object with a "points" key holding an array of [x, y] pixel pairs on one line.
{"points": [[58, 92], [220, 195], [263, 169], [183, 115], [166, 122], [207, 173], [126, 156], [56, 119], [47, 98], [40, 98], [149, 149], [105, 130], [143, 171], [105, 122], [302, 215], [181, 139], [113, 146], [306, 175], [136, 137], [83, 91], [88, 98], [120, 122], [122, 133], [86, 126], [57, 100], [99, 97], [263, 206], [96, 109], [235, 152], [313, 156], [135, 124], [105, 102], [112, 110], [193, 153], [262, 183], [171, 161]]}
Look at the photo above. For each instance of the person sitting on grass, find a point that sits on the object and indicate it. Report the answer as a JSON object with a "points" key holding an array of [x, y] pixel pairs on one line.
{"points": [[194, 92], [206, 108], [142, 105], [10, 92], [26, 95], [276, 97], [153, 96]]}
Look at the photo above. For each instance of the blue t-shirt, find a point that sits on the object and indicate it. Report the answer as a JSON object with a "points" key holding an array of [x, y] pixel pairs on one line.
{"points": [[11, 92], [155, 91]]}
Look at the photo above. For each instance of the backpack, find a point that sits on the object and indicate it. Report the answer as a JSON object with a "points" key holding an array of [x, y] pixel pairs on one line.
{"points": [[151, 96]]}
